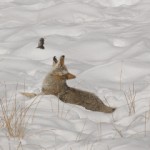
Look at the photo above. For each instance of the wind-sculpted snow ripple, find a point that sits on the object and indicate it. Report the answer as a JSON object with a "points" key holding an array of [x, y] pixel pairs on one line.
{"points": [[106, 45]]}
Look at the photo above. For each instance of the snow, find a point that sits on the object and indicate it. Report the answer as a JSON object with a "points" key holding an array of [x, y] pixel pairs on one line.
{"points": [[106, 44]]}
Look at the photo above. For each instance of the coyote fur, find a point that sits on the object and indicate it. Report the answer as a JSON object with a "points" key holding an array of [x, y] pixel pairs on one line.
{"points": [[55, 84]]}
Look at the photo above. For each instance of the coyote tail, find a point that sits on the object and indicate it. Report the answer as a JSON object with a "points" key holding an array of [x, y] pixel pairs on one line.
{"points": [[30, 95], [109, 109]]}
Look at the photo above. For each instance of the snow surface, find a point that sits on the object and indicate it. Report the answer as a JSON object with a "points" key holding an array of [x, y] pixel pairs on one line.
{"points": [[107, 46]]}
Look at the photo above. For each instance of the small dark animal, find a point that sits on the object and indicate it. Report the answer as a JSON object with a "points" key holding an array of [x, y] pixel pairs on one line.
{"points": [[41, 43]]}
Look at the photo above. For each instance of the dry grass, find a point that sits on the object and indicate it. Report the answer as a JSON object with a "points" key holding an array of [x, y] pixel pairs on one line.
{"points": [[118, 131], [99, 131], [121, 72], [1, 123], [60, 109], [15, 117], [81, 132], [145, 124], [20, 147], [130, 97]]}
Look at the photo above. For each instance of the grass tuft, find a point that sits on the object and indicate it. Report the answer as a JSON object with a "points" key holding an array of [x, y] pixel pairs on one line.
{"points": [[15, 117], [130, 97]]}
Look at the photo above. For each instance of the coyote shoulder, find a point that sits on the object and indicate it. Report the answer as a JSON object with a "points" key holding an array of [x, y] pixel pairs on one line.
{"points": [[55, 84]]}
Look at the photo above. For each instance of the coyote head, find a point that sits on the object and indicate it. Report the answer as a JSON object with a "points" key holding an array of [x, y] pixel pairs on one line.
{"points": [[59, 69]]}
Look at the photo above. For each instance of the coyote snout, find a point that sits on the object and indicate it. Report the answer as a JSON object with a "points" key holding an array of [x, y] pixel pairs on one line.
{"points": [[55, 84]]}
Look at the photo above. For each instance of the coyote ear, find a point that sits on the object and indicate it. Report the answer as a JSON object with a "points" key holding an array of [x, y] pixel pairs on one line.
{"points": [[55, 60], [62, 59], [70, 76]]}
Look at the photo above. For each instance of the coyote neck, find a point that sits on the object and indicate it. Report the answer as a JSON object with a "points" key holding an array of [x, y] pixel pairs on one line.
{"points": [[53, 85]]}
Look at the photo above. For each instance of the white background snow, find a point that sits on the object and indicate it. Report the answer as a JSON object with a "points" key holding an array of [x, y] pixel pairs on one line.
{"points": [[107, 46]]}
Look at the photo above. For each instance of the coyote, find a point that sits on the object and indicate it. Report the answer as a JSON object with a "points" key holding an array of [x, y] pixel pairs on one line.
{"points": [[55, 84]]}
